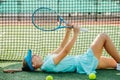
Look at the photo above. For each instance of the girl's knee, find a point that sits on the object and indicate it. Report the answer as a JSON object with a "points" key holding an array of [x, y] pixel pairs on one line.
{"points": [[99, 40], [103, 35]]}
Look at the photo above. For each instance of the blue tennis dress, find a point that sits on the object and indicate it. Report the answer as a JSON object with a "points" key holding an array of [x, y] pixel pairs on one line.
{"points": [[85, 63]]}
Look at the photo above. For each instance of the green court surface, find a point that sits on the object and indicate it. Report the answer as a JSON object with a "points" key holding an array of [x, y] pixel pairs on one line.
{"points": [[110, 74]]}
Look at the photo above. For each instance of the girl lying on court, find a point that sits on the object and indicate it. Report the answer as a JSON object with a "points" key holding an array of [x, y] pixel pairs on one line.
{"points": [[58, 61]]}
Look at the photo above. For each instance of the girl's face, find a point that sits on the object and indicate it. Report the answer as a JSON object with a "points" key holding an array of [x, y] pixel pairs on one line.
{"points": [[36, 61]]}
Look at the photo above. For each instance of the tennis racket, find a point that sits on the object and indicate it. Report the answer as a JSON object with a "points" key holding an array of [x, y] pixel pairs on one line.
{"points": [[46, 19]]}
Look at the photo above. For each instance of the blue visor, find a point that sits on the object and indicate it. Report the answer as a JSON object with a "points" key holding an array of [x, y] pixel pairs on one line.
{"points": [[28, 60]]}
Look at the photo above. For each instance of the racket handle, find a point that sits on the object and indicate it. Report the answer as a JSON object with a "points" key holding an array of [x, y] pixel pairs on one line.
{"points": [[81, 29], [84, 29]]}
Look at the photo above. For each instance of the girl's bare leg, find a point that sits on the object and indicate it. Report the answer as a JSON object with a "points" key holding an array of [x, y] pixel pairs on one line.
{"points": [[104, 41], [105, 63]]}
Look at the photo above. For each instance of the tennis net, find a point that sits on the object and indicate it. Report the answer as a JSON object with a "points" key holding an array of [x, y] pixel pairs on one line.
{"points": [[17, 34]]}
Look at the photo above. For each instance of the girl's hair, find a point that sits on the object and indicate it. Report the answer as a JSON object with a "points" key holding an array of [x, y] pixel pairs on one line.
{"points": [[25, 66]]}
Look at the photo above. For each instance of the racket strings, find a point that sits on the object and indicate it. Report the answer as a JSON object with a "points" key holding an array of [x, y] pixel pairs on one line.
{"points": [[46, 19]]}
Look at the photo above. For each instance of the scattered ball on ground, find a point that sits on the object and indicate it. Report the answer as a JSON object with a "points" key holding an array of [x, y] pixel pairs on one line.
{"points": [[49, 77], [92, 76]]}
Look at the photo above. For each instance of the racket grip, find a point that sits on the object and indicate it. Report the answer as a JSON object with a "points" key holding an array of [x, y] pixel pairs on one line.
{"points": [[84, 29], [81, 29]]}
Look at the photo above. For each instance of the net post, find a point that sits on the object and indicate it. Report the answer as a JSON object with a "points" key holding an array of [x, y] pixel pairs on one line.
{"points": [[19, 10], [96, 10]]}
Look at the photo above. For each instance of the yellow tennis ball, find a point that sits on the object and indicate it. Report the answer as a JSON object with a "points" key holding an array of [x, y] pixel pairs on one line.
{"points": [[49, 78], [92, 76]]}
